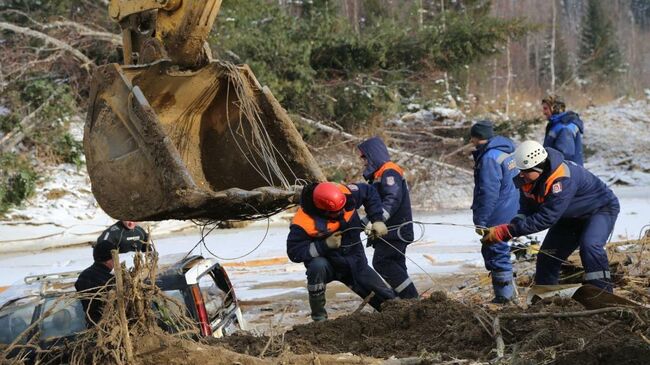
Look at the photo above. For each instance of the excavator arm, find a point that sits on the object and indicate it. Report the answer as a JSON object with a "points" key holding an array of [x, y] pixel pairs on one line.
{"points": [[173, 29], [174, 134]]}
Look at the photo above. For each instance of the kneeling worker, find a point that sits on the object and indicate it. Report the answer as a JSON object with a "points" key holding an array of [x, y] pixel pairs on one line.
{"points": [[577, 207], [325, 236]]}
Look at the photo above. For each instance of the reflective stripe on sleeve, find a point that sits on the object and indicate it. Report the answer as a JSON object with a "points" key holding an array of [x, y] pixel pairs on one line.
{"points": [[312, 250]]}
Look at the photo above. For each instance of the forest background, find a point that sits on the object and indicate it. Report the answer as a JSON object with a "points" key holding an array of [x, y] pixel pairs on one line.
{"points": [[348, 64]]}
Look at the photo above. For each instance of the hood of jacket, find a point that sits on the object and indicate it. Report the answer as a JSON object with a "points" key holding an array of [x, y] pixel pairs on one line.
{"points": [[376, 155]]}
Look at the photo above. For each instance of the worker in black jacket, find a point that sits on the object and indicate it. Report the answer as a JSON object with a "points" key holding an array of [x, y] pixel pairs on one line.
{"points": [[94, 282], [126, 236]]}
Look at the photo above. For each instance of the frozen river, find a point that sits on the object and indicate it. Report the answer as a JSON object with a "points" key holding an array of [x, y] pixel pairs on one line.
{"points": [[443, 249]]}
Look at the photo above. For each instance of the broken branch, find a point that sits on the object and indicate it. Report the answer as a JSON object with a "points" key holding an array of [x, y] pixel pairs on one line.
{"points": [[496, 325], [328, 129], [51, 40]]}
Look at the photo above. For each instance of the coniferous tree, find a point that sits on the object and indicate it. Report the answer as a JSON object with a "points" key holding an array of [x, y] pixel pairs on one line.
{"points": [[600, 56]]}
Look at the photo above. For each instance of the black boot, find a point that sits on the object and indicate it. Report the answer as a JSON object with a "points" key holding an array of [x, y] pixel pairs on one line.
{"points": [[317, 304]]}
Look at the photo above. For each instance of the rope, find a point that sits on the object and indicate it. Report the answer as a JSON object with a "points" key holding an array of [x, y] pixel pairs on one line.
{"points": [[260, 143], [361, 241], [268, 225]]}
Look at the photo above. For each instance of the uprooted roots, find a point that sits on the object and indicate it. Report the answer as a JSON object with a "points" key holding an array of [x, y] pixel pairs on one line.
{"points": [[127, 317]]}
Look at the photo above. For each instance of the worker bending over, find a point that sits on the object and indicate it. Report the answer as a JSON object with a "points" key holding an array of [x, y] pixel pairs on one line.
{"points": [[325, 236]]}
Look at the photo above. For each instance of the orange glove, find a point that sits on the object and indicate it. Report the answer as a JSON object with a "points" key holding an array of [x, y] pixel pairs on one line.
{"points": [[496, 234]]}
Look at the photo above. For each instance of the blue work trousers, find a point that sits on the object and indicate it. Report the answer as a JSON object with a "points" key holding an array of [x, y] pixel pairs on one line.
{"points": [[497, 257], [362, 280], [590, 235], [390, 262]]}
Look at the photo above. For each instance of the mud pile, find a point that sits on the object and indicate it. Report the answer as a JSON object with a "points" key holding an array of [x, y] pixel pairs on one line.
{"points": [[452, 330]]}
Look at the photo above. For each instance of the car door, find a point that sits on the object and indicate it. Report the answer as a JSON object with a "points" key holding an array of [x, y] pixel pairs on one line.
{"points": [[216, 304]]}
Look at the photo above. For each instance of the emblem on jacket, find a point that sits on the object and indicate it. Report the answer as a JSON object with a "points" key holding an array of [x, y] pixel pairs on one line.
{"points": [[557, 187]]}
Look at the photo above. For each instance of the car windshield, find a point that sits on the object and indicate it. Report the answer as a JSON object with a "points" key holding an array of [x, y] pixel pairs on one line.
{"points": [[15, 319], [62, 317]]}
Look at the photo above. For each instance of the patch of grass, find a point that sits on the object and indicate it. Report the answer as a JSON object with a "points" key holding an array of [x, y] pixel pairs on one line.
{"points": [[9, 122], [17, 180], [69, 150]]}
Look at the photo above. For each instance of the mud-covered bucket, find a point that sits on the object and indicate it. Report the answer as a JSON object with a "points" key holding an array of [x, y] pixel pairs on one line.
{"points": [[162, 143]]}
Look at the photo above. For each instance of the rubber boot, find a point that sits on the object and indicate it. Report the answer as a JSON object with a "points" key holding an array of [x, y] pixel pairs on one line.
{"points": [[504, 291], [317, 304]]}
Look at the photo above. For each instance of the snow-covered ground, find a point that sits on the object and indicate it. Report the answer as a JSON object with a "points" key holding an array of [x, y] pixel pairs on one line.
{"points": [[618, 135]]}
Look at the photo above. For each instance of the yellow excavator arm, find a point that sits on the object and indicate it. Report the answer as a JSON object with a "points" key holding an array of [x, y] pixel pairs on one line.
{"points": [[174, 134], [173, 29]]}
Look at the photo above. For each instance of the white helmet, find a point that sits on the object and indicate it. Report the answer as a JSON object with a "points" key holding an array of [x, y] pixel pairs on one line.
{"points": [[529, 154]]}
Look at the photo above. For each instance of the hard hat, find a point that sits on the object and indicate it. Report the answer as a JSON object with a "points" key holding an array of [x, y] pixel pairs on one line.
{"points": [[529, 154], [328, 197]]}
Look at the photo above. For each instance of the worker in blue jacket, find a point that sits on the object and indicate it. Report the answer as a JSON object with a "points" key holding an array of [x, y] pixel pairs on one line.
{"points": [[496, 201], [564, 129], [578, 209], [388, 179], [325, 236]]}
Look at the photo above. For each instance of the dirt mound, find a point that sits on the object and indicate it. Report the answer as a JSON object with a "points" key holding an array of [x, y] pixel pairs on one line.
{"points": [[166, 349], [453, 330], [404, 328]]}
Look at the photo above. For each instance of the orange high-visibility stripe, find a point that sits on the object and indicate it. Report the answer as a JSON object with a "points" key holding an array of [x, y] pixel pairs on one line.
{"points": [[388, 166], [560, 171], [306, 222], [344, 189]]}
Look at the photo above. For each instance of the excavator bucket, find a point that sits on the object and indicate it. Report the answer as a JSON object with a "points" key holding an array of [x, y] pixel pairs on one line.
{"points": [[164, 143]]}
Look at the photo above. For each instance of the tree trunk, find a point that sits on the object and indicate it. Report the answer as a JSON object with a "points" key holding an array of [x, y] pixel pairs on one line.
{"points": [[554, 12], [508, 78]]}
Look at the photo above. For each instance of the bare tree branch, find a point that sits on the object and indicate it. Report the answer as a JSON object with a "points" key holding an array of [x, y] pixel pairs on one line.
{"points": [[86, 62], [25, 126], [333, 131]]}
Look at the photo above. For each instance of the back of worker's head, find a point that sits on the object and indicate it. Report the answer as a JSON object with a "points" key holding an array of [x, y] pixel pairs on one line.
{"points": [[482, 130], [555, 103], [102, 250], [530, 155]]}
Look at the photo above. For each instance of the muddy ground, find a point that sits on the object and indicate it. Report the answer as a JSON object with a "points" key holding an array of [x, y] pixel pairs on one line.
{"points": [[451, 327], [446, 329]]}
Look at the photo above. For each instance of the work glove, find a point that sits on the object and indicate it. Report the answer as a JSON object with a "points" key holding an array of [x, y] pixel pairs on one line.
{"points": [[334, 240], [496, 234], [377, 229], [481, 231], [368, 230]]}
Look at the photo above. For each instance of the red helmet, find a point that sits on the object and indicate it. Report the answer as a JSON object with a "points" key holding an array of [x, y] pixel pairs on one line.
{"points": [[328, 197]]}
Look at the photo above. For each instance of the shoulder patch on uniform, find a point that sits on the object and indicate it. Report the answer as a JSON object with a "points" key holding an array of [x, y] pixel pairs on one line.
{"points": [[511, 165], [390, 180], [353, 187], [557, 187]]}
